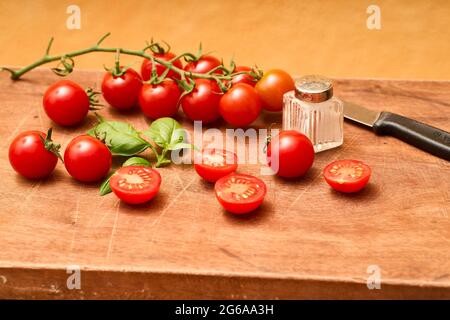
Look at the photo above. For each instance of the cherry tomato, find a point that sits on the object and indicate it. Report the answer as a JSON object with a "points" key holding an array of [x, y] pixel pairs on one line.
{"points": [[240, 106], [29, 156], [122, 92], [135, 184], [87, 159], [271, 88], [159, 100], [213, 164], [66, 103], [202, 104], [290, 154], [146, 67], [347, 175], [240, 193], [203, 65], [243, 78]]}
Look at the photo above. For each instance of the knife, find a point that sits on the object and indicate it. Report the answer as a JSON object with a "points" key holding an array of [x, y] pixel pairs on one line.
{"points": [[418, 134]]}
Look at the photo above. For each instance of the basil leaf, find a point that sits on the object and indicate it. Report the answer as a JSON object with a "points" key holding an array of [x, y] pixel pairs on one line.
{"points": [[120, 137], [136, 161], [105, 188], [182, 145], [165, 132]]}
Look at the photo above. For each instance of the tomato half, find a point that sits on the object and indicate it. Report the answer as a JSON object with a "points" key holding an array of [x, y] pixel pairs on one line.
{"points": [[122, 92], [213, 164], [243, 78], [240, 193], [135, 184], [240, 105], [347, 175], [87, 159], [66, 103], [202, 104], [146, 67], [159, 100], [271, 88], [203, 65], [29, 156], [290, 154]]}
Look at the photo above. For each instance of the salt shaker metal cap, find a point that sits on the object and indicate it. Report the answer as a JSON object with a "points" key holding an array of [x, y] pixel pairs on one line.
{"points": [[313, 88]]}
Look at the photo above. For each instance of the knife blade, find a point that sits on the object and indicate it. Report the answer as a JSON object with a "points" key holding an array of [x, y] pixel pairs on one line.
{"points": [[418, 134]]}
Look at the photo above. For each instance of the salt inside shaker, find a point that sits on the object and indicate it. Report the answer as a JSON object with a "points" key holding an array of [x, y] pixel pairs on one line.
{"points": [[312, 110]]}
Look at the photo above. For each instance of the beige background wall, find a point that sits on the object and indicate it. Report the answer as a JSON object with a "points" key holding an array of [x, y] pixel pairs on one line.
{"points": [[325, 37]]}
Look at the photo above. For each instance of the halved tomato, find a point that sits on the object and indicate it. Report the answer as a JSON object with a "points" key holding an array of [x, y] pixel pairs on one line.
{"points": [[135, 184], [240, 193], [347, 175], [213, 164]]}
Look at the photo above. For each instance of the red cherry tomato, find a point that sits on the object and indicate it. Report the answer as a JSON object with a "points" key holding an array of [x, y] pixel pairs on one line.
{"points": [[122, 92], [243, 78], [135, 184], [202, 104], [87, 159], [203, 65], [66, 103], [240, 106], [29, 156], [240, 193], [146, 67], [159, 100], [290, 154], [271, 88], [347, 175], [213, 164]]}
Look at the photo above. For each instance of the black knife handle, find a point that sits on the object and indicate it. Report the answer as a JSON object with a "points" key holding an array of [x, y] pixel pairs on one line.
{"points": [[420, 135]]}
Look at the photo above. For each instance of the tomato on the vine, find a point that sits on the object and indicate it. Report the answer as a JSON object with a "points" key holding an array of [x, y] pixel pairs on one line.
{"points": [[271, 88], [203, 65], [33, 155], [243, 78], [146, 67], [87, 159], [122, 92], [202, 104], [240, 106], [347, 175], [66, 103], [290, 154], [135, 184], [240, 193], [159, 100], [213, 164]]}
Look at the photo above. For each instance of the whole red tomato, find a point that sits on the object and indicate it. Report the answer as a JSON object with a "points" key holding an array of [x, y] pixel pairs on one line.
{"points": [[202, 104], [87, 159], [290, 154], [122, 92], [240, 106], [146, 67], [30, 157], [159, 100], [243, 78], [271, 88], [203, 65], [66, 103]]}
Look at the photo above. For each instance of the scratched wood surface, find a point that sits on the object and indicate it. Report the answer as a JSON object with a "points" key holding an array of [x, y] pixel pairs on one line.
{"points": [[306, 241]]}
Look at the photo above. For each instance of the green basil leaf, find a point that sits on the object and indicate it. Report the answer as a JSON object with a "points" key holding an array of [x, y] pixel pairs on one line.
{"points": [[120, 137], [165, 132], [182, 145], [105, 188], [136, 161]]}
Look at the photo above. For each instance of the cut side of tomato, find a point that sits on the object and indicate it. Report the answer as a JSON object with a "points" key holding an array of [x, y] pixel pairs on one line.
{"points": [[347, 175], [213, 164], [135, 184], [240, 193]]}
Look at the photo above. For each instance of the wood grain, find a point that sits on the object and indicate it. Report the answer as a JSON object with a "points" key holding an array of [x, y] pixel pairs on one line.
{"points": [[306, 241]]}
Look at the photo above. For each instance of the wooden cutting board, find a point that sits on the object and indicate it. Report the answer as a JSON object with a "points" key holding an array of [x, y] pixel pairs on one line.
{"points": [[306, 241]]}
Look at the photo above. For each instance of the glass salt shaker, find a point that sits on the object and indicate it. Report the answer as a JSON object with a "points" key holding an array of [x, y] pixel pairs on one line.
{"points": [[312, 110]]}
